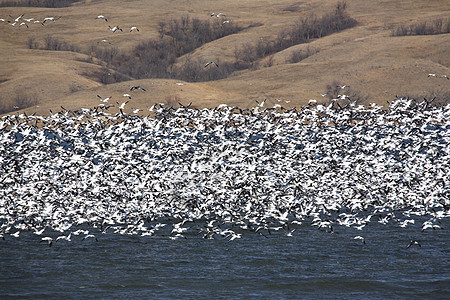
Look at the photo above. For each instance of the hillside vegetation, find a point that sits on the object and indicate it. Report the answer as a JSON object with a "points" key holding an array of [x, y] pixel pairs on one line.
{"points": [[286, 52]]}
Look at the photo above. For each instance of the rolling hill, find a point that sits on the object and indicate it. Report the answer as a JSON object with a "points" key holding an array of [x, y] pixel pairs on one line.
{"points": [[367, 57]]}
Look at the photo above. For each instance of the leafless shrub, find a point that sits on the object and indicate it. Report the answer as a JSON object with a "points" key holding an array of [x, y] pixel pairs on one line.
{"points": [[37, 3], [291, 8], [269, 62], [400, 31], [193, 70], [31, 43], [23, 101], [177, 37], [300, 55], [74, 87], [107, 54], [55, 44], [306, 29], [438, 26]]}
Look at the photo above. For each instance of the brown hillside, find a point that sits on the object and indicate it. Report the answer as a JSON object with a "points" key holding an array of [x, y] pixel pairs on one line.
{"points": [[366, 57]]}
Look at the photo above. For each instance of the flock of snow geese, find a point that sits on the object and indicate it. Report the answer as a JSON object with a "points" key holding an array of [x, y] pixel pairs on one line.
{"points": [[115, 28], [224, 173], [21, 21]]}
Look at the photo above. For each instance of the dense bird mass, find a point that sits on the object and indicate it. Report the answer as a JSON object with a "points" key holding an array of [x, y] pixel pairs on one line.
{"points": [[224, 172]]}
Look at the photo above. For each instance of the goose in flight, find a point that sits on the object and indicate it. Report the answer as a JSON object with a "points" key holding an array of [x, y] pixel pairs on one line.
{"points": [[102, 17], [115, 28], [137, 87], [90, 236], [413, 242], [217, 15], [23, 23], [342, 86], [105, 99], [134, 28], [431, 75], [122, 106], [444, 76], [211, 63], [127, 95], [17, 19], [63, 237], [360, 238], [47, 239], [53, 19]]}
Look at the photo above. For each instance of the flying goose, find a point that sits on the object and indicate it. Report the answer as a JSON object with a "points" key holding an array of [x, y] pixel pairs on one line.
{"points": [[122, 106], [53, 19], [134, 28], [413, 242], [115, 28], [211, 63], [47, 239], [360, 238], [105, 99], [137, 87], [102, 17], [17, 19]]}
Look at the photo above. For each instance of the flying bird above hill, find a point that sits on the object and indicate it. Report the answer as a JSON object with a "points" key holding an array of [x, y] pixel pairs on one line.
{"points": [[211, 63], [217, 15], [16, 19], [122, 106], [127, 95], [105, 99], [115, 28], [137, 87], [102, 17], [53, 19], [134, 28]]}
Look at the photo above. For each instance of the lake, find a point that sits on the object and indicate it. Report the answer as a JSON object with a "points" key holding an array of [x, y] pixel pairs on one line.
{"points": [[310, 264]]}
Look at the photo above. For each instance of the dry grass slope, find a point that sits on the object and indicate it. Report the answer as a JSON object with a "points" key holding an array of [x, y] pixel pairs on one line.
{"points": [[370, 57]]}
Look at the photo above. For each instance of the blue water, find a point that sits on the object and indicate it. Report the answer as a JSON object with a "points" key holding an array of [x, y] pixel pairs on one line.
{"points": [[310, 264]]}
